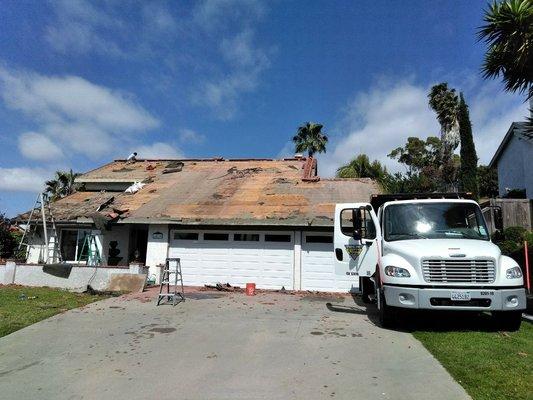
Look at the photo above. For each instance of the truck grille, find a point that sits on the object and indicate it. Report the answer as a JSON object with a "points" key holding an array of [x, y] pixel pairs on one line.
{"points": [[459, 271]]}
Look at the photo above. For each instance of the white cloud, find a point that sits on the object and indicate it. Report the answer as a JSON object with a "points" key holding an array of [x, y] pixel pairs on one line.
{"points": [[152, 32], [378, 121], [35, 146], [158, 18], [79, 27], [158, 150], [84, 117], [492, 110], [381, 119], [23, 179], [189, 136], [245, 59], [247, 62], [214, 14], [240, 51]]}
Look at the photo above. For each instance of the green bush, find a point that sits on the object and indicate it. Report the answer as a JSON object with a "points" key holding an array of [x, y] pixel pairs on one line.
{"points": [[511, 240]]}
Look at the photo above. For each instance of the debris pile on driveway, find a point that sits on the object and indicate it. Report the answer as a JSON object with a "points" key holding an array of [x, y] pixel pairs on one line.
{"points": [[224, 287]]}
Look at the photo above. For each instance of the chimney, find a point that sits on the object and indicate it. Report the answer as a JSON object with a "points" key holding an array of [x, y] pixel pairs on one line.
{"points": [[310, 170]]}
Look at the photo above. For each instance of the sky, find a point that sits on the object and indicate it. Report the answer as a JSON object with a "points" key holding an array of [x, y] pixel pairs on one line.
{"points": [[85, 82]]}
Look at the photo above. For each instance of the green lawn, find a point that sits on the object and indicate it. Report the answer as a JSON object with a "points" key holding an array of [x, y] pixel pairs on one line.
{"points": [[21, 306], [490, 365]]}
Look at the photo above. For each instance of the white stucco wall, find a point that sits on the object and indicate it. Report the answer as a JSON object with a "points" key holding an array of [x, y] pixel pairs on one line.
{"points": [[157, 249], [120, 233], [79, 278]]}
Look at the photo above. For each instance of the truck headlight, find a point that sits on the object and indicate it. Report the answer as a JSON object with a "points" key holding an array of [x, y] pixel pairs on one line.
{"points": [[513, 273], [396, 272]]}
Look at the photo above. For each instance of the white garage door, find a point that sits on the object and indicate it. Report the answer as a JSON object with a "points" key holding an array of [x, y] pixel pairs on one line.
{"points": [[208, 257], [318, 271]]}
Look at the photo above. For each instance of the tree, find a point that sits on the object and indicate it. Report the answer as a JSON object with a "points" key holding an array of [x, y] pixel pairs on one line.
{"points": [[508, 33], [361, 167], [8, 241], [62, 185], [468, 170], [310, 138], [445, 103], [487, 181], [425, 171]]}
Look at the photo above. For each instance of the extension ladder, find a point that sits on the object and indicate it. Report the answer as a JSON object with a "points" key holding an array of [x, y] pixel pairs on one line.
{"points": [[172, 267], [42, 205]]}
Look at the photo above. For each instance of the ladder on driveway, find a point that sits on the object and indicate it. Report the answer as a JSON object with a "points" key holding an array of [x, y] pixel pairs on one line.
{"points": [[172, 267]]}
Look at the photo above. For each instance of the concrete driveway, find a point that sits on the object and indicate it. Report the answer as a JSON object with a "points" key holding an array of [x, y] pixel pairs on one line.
{"points": [[219, 346]]}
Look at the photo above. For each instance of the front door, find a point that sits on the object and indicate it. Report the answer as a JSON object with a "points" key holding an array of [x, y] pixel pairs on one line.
{"points": [[356, 240]]}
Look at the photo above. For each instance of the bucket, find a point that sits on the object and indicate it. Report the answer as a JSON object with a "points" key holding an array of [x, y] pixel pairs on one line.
{"points": [[250, 289]]}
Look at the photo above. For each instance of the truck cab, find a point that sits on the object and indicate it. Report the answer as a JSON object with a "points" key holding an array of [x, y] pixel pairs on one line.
{"points": [[426, 252]]}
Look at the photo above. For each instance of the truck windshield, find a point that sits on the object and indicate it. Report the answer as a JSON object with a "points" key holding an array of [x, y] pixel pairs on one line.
{"points": [[434, 221]]}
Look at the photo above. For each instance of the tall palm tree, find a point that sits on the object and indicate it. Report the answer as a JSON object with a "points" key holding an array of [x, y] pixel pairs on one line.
{"points": [[310, 138], [508, 33], [361, 167], [445, 103], [62, 185]]}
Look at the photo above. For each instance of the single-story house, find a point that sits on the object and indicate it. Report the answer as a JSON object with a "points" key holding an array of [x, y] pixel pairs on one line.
{"points": [[229, 220], [513, 160]]}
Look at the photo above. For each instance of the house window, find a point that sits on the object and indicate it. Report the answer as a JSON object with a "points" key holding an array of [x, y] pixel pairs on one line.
{"points": [[185, 235], [277, 238], [72, 244], [216, 236], [246, 237], [319, 239]]}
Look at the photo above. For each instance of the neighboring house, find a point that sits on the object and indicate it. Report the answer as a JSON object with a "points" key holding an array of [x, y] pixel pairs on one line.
{"points": [[514, 161], [246, 220]]}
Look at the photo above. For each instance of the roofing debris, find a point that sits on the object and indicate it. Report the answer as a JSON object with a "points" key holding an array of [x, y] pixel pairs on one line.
{"points": [[215, 192], [135, 187]]}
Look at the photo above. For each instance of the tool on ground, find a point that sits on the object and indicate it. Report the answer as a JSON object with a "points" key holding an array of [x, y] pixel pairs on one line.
{"points": [[52, 253], [172, 267]]}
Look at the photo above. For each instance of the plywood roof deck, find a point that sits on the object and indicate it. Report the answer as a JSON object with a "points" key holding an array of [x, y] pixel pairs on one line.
{"points": [[215, 192]]}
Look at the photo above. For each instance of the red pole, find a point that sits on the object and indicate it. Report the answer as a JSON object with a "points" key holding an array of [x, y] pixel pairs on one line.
{"points": [[527, 266]]}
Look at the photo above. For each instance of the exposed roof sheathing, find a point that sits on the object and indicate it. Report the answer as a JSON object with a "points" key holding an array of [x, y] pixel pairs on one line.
{"points": [[216, 192]]}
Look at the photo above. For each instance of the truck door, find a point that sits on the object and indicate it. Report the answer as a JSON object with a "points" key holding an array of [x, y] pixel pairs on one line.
{"points": [[356, 240]]}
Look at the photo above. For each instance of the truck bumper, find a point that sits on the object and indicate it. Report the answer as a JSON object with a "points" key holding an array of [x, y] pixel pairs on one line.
{"points": [[439, 299]]}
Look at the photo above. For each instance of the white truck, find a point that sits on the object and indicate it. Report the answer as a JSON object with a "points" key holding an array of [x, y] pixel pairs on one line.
{"points": [[426, 252]]}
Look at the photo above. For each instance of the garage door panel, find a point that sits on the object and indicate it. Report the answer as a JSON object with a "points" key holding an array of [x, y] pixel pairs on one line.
{"points": [[268, 264], [318, 270]]}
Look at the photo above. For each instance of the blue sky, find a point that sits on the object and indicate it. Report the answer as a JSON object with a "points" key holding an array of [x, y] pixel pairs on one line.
{"points": [[84, 82]]}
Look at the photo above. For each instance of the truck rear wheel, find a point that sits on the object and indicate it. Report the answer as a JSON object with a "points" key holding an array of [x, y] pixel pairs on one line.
{"points": [[507, 320]]}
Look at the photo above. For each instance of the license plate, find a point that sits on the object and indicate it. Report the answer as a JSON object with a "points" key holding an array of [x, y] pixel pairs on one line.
{"points": [[460, 296]]}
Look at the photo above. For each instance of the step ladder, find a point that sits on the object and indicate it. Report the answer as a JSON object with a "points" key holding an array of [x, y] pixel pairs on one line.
{"points": [[172, 267], [89, 251]]}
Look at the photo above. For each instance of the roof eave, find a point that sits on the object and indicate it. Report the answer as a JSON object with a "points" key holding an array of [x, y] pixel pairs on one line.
{"points": [[494, 161]]}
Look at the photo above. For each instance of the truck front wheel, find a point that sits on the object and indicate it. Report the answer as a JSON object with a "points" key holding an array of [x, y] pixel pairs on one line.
{"points": [[507, 320], [386, 317]]}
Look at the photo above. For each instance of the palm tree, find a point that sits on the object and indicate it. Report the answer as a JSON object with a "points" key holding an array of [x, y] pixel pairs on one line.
{"points": [[445, 103], [508, 33], [361, 167], [62, 185], [310, 138]]}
